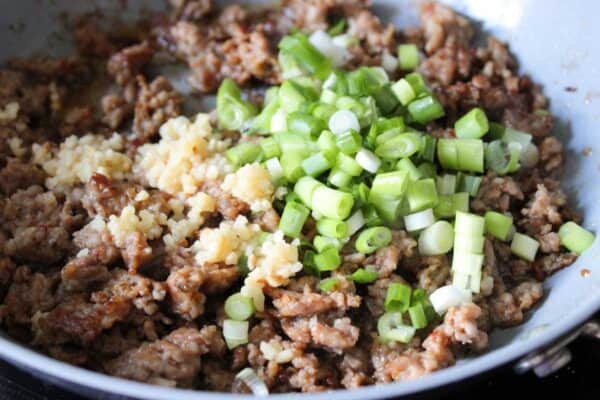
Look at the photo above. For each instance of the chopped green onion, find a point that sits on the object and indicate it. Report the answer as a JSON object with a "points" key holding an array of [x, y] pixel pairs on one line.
{"points": [[328, 260], [321, 243], [446, 184], [427, 170], [426, 109], [397, 297], [575, 238], [361, 193], [348, 165], [422, 194], [323, 111], [304, 124], [289, 66], [305, 189], [292, 143], [386, 99], [239, 307], [244, 153], [371, 239], [472, 125], [448, 205], [461, 154], [339, 178], [232, 111], [401, 145], [270, 148], [467, 263], [291, 162], [332, 228], [436, 239], [327, 144], [524, 246], [262, 122], [417, 82], [403, 91], [343, 121], [338, 28], [349, 142], [291, 97], [466, 243], [503, 158], [468, 183], [498, 225], [316, 164], [364, 276], [355, 222], [469, 224], [408, 56], [235, 333], [392, 184], [417, 315], [369, 161], [391, 328], [428, 146], [371, 216], [329, 284], [407, 165], [419, 220], [332, 203], [306, 55], [293, 218], [448, 296]]}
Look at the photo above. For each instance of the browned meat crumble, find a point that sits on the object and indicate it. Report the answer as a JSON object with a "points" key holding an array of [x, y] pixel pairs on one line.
{"points": [[136, 308]]}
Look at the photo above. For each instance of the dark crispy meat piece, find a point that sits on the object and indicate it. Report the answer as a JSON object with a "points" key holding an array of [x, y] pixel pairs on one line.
{"points": [[79, 320], [105, 197], [98, 242], [293, 304], [185, 297], [125, 65], [551, 154], [496, 193], [157, 102], [339, 335], [434, 273], [174, 360], [227, 205], [40, 224], [83, 272], [91, 40], [387, 258], [192, 10], [18, 174], [442, 26], [29, 293]]}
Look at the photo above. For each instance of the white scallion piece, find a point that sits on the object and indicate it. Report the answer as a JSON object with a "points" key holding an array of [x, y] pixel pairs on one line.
{"points": [[524, 246], [279, 121], [436, 239], [389, 62], [529, 155], [342, 121], [355, 222], [419, 220], [275, 169], [235, 332], [249, 377], [367, 160], [324, 43], [448, 296]]}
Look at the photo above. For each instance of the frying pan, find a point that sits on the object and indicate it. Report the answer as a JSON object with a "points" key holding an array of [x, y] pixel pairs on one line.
{"points": [[555, 42]]}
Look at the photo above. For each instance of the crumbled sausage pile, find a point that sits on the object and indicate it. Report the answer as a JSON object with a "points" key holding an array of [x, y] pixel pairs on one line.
{"points": [[145, 311]]}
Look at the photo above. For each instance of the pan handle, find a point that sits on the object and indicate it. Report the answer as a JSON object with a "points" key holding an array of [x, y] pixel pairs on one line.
{"points": [[550, 359]]}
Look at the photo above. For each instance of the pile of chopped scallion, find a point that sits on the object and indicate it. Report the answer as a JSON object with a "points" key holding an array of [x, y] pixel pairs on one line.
{"points": [[350, 147]]}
